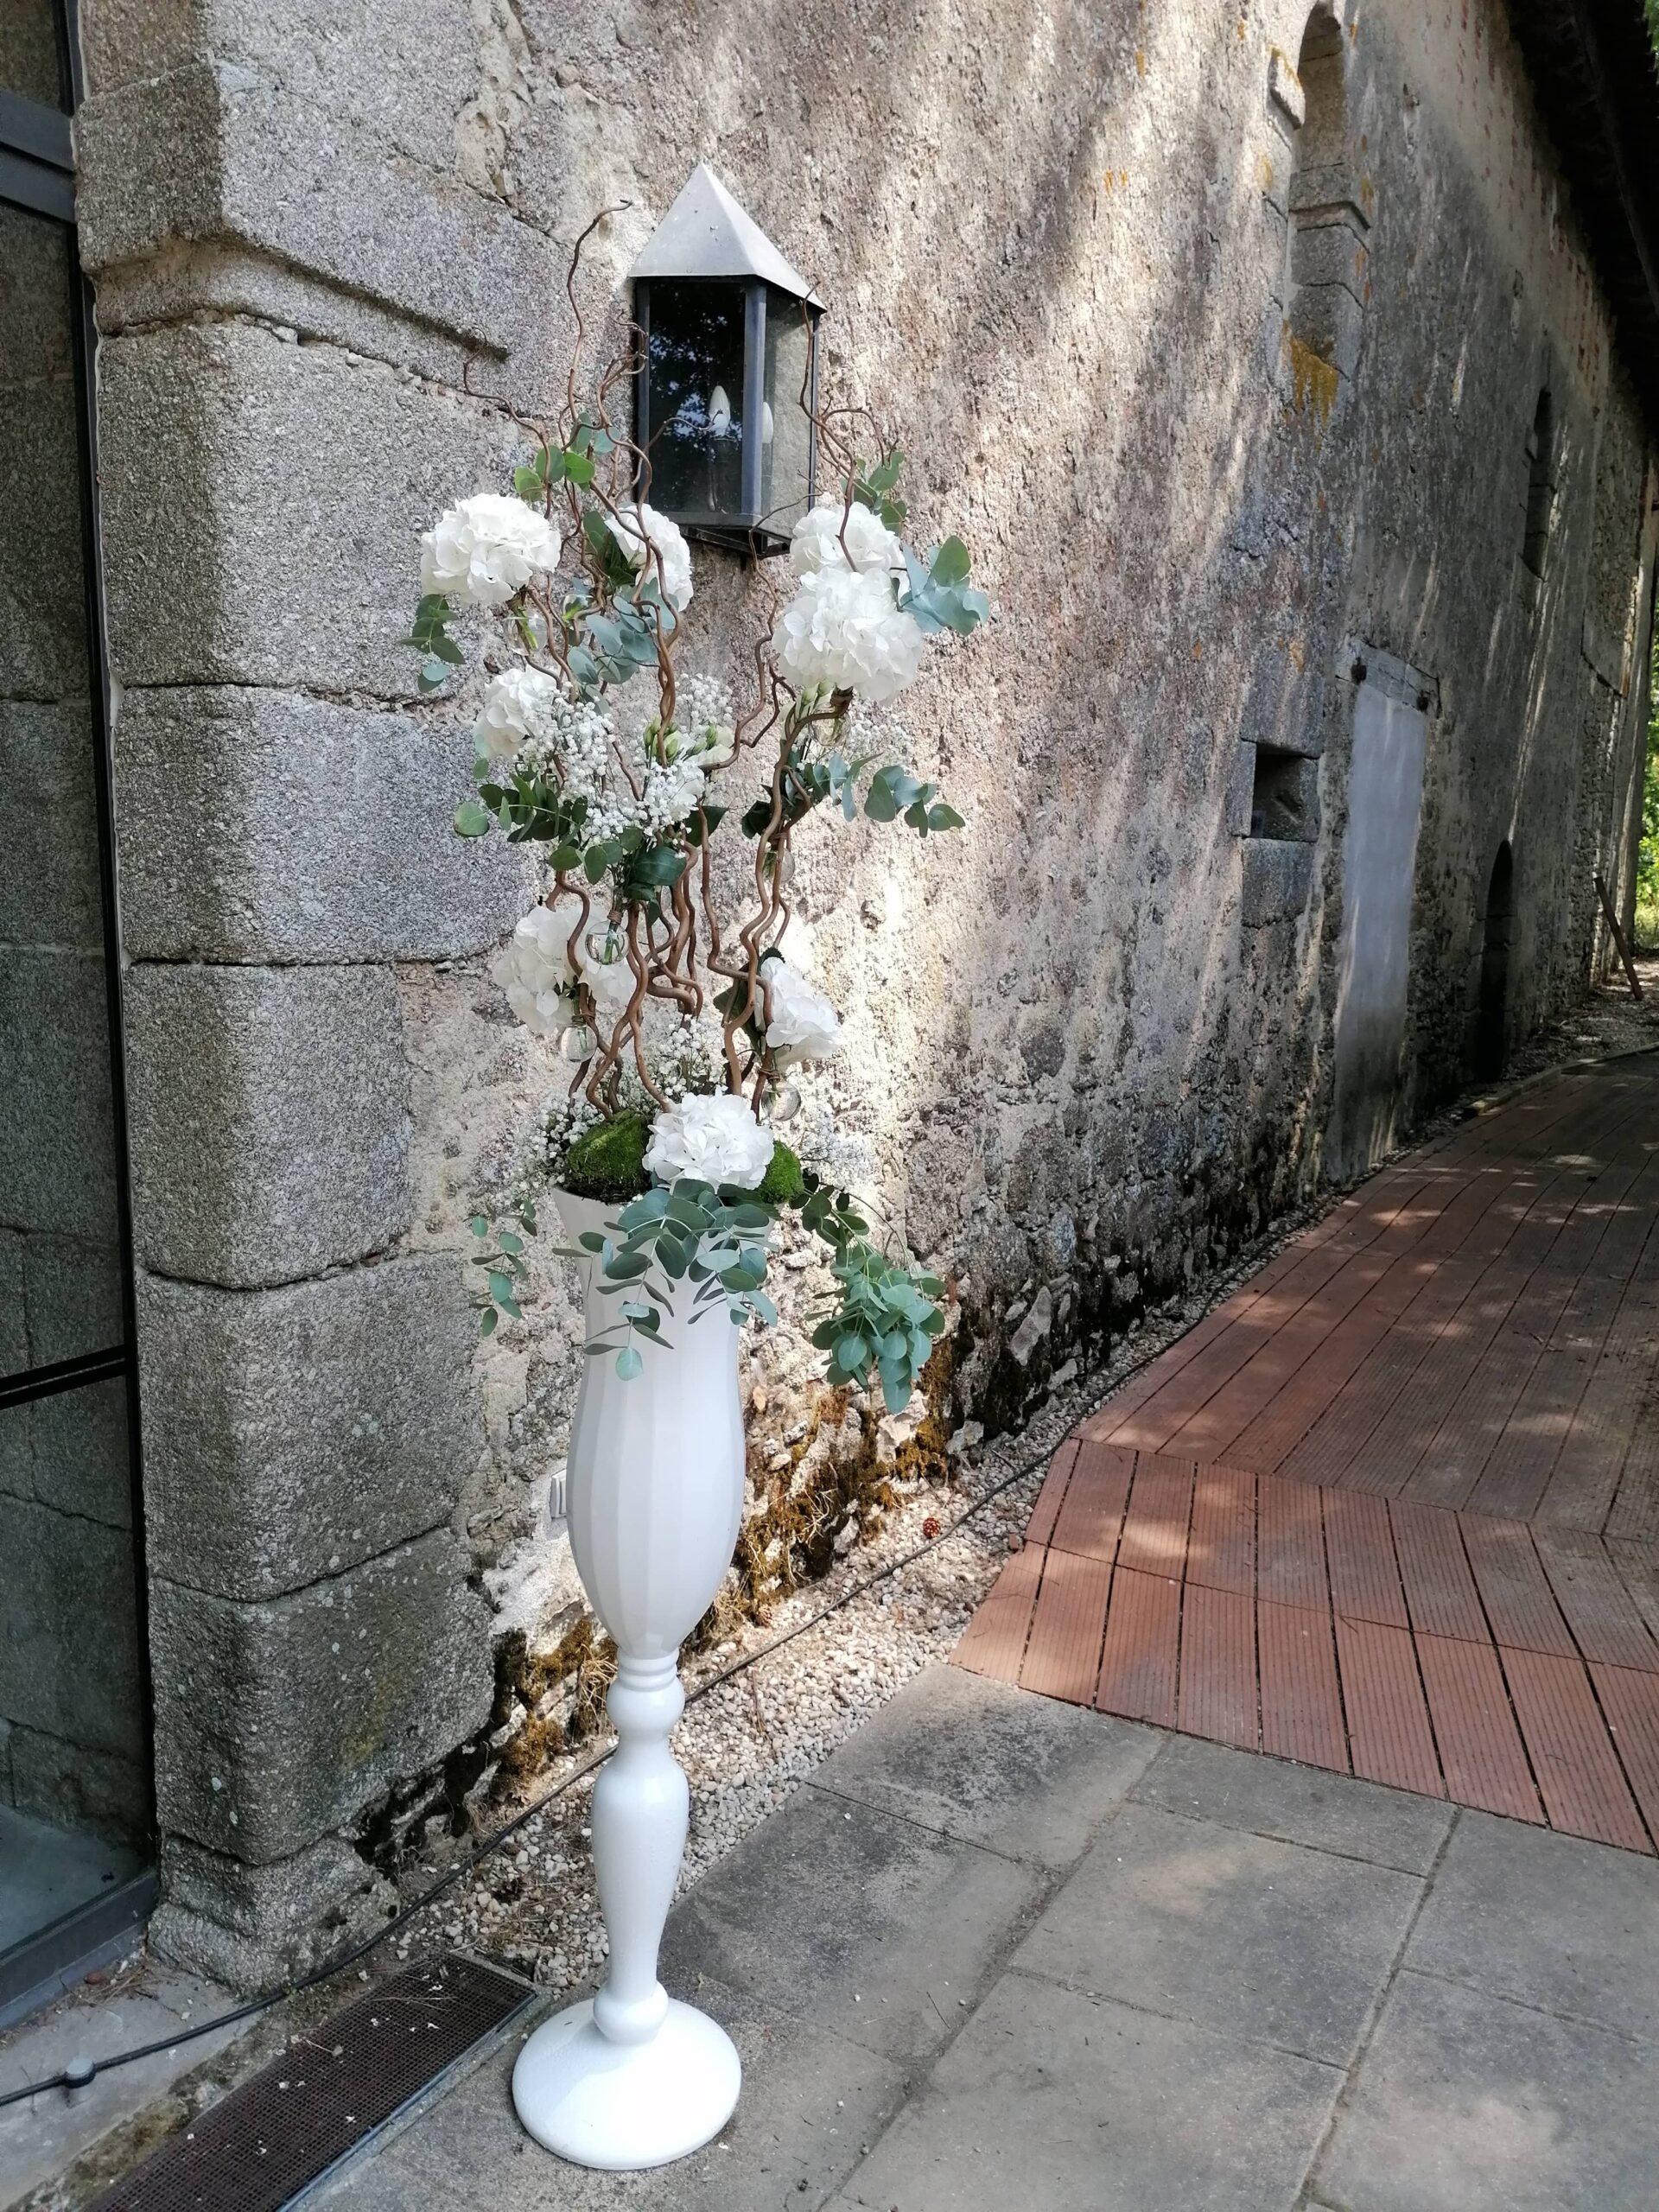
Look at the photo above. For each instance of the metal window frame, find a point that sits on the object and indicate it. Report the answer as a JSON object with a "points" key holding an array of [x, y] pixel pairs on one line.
{"points": [[37, 174]]}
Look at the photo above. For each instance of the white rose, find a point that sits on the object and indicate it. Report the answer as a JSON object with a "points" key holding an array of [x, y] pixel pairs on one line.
{"points": [[839, 536], [641, 531], [485, 548], [802, 1025], [843, 629], [534, 971], [515, 706], [716, 1139], [716, 748]]}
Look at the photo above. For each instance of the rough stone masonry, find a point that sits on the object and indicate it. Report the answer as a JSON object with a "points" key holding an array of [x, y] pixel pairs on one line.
{"points": [[1220, 332]]}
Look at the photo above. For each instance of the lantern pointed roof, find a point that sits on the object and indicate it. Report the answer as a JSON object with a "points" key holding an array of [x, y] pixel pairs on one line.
{"points": [[706, 233]]}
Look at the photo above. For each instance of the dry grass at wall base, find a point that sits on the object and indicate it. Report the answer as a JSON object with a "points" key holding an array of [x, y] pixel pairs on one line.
{"points": [[809, 1504]]}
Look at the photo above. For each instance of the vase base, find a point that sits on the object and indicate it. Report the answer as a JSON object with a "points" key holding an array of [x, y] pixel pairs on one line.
{"points": [[626, 2106]]}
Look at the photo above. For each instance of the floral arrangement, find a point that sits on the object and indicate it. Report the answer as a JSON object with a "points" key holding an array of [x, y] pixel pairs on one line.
{"points": [[683, 1025]]}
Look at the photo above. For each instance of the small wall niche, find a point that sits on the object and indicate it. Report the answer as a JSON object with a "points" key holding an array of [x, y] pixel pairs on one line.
{"points": [[1284, 796], [1492, 1004]]}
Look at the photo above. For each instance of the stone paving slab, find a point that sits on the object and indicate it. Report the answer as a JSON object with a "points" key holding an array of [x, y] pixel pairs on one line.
{"points": [[870, 1925], [1077, 2105], [1231, 1931], [1298, 1804], [979, 1761], [1002, 1955], [1570, 1928], [1467, 2103]]}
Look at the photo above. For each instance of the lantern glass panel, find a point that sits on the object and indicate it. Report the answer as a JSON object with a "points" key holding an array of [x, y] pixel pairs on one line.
{"points": [[694, 373], [786, 457]]}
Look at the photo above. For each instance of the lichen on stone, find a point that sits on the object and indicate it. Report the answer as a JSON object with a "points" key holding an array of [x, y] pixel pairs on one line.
{"points": [[1314, 379]]}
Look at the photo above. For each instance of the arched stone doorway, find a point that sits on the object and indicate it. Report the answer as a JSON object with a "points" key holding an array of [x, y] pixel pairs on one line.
{"points": [[1491, 1022]]}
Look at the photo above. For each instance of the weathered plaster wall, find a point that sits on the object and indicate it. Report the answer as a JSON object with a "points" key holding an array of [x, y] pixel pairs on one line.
{"points": [[1090, 1039]]}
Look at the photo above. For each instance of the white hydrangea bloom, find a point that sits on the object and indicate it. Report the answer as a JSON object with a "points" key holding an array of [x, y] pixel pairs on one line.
{"points": [[517, 704], [802, 1023], [641, 531], [836, 536], [716, 1139], [534, 971], [844, 630], [484, 549]]}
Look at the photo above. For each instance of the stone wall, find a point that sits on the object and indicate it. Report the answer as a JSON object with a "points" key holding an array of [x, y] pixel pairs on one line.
{"points": [[1227, 374]]}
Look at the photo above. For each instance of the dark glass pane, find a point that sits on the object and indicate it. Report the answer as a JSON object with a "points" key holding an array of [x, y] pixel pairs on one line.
{"points": [[29, 59], [787, 430], [75, 1776], [695, 393], [70, 1715], [60, 1265]]}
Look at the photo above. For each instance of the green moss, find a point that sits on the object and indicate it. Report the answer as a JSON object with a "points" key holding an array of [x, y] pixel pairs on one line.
{"points": [[608, 1161], [783, 1179]]}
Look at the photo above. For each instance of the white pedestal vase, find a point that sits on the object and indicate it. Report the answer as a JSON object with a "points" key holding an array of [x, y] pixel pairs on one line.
{"points": [[632, 2077]]}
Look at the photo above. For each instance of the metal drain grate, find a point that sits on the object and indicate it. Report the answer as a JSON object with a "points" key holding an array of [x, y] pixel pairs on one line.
{"points": [[269, 2141]]}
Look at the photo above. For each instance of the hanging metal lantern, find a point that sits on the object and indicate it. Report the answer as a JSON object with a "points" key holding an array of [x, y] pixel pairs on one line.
{"points": [[726, 390]]}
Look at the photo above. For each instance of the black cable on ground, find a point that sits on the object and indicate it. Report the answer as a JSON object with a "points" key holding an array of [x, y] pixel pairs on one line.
{"points": [[255, 2006]]}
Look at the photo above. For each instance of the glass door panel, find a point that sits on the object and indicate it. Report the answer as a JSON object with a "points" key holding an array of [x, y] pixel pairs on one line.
{"points": [[31, 51], [75, 1789]]}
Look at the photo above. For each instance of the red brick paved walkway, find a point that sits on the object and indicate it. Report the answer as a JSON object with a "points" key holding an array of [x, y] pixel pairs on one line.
{"points": [[1393, 1508]]}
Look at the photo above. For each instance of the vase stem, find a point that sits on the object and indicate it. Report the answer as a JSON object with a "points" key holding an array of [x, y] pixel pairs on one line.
{"points": [[632, 2077], [641, 1805]]}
